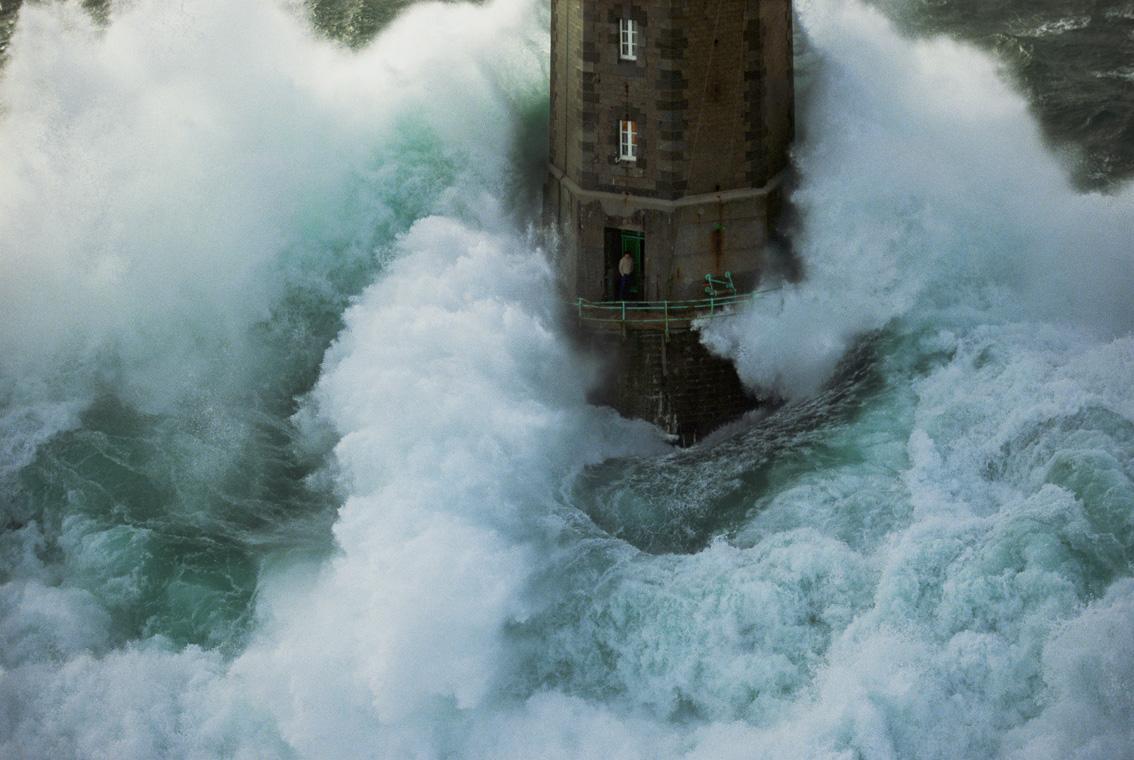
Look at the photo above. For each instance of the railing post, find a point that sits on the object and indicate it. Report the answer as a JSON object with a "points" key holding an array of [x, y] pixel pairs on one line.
{"points": [[665, 304], [623, 311]]}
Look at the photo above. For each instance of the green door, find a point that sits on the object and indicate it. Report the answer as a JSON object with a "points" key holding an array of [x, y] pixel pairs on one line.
{"points": [[635, 243]]}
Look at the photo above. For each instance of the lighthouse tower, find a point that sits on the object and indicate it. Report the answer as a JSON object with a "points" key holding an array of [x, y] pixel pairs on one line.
{"points": [[670, 127]]}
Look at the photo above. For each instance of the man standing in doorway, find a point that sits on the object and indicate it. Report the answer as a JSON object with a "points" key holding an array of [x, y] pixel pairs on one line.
{"points": [[625, 272]]}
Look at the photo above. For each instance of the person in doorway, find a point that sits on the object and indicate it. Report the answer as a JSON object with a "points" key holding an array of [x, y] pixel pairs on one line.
{"points": [[625, 273]]}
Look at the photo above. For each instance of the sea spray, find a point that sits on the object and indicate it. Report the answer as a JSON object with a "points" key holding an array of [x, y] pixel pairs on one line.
{"points": [[936, 568], [152, 514], [925, 190], [461, 410]]}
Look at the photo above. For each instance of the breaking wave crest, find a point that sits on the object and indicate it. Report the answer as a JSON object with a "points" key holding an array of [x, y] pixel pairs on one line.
{"points": [[926, 556]]}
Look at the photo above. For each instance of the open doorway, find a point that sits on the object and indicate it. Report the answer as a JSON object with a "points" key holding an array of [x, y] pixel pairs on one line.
{"points": [[618, 243]]}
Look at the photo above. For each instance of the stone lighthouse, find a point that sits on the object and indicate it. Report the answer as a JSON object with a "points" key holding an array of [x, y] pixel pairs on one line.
{"points": [[670, 127]]}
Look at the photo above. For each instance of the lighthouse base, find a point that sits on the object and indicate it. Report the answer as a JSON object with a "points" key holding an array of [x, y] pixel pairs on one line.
{"points": [[671, 380]]}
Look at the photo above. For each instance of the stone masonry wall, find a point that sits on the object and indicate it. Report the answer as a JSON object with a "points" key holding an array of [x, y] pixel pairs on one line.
{"points": [[711, 91], [673, 382]]}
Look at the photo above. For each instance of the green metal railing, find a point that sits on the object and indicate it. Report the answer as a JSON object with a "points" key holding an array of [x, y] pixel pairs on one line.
{"points": [[719, 285], [662, 313]]}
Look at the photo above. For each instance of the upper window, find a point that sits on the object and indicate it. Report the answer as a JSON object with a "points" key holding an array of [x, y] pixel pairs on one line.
{"points": [[628, 39], [627, 140]]}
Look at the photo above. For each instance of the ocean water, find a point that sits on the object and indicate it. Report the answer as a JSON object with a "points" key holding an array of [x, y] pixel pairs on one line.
{"points": [[1072, 59], [295, 460]]}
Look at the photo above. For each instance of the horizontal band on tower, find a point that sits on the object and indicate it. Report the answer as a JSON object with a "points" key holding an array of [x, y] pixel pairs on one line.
{"points": [[660, 204]]}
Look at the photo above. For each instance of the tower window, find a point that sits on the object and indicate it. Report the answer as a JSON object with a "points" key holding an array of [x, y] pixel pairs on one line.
{"points": [[628, 39], [627, 140]]}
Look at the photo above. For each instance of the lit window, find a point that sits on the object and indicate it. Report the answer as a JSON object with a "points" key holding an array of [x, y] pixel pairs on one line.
{"points": [[628, 36], [627, 140]]}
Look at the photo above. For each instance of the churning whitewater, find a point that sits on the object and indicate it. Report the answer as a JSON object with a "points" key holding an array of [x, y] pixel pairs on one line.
{"points": [[297, 461]]}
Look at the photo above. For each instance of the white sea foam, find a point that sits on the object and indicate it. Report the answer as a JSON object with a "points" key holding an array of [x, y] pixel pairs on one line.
{"points": [[1120, 11], [939, 594], [927, 187], [204, 156], [1090, 665], [460, 411], [1051, 28], [164, 181], [1125, 74]]}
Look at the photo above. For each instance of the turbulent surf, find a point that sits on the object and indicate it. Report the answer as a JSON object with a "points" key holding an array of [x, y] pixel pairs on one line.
{"points": [[296, 458]]}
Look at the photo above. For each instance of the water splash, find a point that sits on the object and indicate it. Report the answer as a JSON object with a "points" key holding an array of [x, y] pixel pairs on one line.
{"points": [[924, 572]]}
